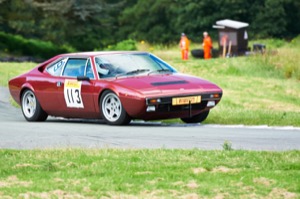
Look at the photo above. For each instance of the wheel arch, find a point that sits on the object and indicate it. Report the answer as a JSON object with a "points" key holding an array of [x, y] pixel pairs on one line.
{"points": [[24, 88], [35, 113], [28, 86], [126, 95], [101, 93], [116, 89], [122, 117]]}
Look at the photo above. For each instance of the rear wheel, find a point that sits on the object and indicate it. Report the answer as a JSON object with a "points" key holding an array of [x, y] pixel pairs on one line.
{"points": [[31, 108], [196, 118], [112, 110]]}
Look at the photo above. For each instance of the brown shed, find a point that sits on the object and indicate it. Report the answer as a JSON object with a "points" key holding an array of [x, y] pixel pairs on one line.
{"points": [[233, 35]]}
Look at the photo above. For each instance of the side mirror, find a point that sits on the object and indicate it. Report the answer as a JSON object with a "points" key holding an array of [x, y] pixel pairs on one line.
{"points": [[83, 78]]}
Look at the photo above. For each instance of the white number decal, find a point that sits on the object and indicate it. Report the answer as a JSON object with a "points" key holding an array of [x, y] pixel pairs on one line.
{"points": [[72, 93]]}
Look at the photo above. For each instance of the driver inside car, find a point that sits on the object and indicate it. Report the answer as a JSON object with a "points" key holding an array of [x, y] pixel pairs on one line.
{"points": [[102, 68]]}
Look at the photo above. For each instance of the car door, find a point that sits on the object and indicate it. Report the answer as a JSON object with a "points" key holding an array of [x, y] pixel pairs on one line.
{"points": [[75, 89], [48, 87]]}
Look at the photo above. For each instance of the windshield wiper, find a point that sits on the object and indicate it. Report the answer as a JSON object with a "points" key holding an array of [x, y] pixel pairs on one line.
{"points": [[160, 70], [137, 71], [133, 72]]}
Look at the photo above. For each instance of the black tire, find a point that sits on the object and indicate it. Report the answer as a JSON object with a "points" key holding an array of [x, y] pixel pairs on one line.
{"points": [[196, 118], [31, 107], [198, 53], [112, 110], [215, 53]]}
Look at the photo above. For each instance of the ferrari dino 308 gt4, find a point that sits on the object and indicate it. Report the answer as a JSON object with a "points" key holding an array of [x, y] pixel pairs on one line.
{"points": [[114, 86]]}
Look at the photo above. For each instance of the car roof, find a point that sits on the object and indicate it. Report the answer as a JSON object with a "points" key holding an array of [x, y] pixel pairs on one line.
{"points": [[96, 53]]}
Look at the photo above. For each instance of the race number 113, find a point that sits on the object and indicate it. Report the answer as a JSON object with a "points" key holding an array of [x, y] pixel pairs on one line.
{"points": [[72, 94]]}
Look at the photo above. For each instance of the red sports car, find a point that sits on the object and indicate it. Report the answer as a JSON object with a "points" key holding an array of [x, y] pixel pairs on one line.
{"points": [[114, 86]]}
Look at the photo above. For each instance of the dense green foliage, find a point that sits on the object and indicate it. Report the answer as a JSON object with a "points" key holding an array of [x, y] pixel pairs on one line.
{"points": [[95, 24], [159, 173], [18, 45], [123, 45]]}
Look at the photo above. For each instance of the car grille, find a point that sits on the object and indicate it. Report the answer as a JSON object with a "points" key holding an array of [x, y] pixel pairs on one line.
{"points": [[170, 108]]}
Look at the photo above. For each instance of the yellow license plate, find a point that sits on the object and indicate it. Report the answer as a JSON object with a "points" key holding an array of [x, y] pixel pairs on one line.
{"points": [[186, 100]]}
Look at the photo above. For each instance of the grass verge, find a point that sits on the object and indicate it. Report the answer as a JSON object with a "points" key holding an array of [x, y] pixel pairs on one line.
{"points": [[9, 70], [160, 173]]}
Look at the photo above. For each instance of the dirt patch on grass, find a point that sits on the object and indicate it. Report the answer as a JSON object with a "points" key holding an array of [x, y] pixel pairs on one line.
{"points": [[143, 173], [2, 196], [263, 181], [178, 183], [54, 194], [199, 170], [220, 169], [192, 185], [152, 182], [281, 193], [223, 169], [58, 180], [25, 165], [190, 196], [14, 181], [221, 196]]}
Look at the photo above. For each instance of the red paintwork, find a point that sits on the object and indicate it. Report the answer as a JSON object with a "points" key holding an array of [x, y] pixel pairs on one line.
{"points": [[132, 91]]}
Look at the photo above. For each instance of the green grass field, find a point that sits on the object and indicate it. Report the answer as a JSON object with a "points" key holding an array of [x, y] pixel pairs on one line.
{"points": [[258, 89], [161, 173]]}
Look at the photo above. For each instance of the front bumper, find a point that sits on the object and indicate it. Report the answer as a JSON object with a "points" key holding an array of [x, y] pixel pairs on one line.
{"points": [[164, 104]]}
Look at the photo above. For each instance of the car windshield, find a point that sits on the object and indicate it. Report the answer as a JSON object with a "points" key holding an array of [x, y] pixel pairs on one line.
{"points": [[115, 65]]}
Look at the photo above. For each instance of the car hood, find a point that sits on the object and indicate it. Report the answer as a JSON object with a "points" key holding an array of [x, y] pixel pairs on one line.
{"points": [[167, 84]]}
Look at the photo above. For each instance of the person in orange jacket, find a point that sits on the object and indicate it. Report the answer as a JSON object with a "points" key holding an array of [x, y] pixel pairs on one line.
{"points": [[207, 45], [184, 45]]}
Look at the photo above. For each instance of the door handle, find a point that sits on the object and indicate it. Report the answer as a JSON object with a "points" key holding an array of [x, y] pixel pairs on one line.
{"points": [[58, 84]]}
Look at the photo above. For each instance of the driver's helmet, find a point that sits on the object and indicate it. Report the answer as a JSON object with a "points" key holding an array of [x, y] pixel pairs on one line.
{"points": [[102, 67]]}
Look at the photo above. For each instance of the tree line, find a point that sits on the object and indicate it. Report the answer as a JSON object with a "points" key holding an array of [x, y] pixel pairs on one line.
{"points": [[95, 24]]}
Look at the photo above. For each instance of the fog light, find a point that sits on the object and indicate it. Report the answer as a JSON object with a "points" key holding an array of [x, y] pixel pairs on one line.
{"points": [[216, 95], [150, 108], [154, 101], [211, 103]]}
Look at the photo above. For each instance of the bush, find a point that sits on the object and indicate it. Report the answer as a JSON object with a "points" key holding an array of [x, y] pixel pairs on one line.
{"points": [[17, 45], [123, 45], [295, 42]]}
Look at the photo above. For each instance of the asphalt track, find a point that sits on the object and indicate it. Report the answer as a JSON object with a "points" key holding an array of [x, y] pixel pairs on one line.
{"points": [[17, 133]]}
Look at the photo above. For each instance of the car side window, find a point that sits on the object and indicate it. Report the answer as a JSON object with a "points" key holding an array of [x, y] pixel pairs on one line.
{"points": [[56, 68], [74, 67]]}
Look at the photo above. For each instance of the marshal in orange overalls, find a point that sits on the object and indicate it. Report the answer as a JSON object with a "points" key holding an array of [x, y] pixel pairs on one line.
{"points": [[184, 45], [207, 45]]}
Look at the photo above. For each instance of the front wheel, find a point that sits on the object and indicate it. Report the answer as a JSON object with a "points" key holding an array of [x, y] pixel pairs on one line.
{"points": [[196, 118], [31, 107], [112, 110]]}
